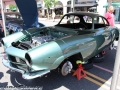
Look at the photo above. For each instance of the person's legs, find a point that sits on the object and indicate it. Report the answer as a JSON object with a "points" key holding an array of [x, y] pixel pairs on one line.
{"points": [[53, 19], [1, 34]]}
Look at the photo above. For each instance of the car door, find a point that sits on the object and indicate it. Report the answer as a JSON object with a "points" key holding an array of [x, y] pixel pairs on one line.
{"points": [[103, 34]]}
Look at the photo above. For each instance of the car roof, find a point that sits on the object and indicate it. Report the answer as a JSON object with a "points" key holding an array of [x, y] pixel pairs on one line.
{"points": [[84, 13]]}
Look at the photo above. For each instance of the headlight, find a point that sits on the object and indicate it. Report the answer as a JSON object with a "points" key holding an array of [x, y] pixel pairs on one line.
{"points": [[28, 60]]}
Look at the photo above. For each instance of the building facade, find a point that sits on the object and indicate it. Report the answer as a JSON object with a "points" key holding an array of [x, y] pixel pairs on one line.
{"points": [[78, 5]]}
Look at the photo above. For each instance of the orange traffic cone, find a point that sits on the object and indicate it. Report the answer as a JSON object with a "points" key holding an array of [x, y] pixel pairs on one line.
{"points": [[79, 72]]}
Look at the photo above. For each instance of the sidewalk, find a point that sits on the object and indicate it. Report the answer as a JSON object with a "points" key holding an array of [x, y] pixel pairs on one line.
{"points": [[48, 20]]}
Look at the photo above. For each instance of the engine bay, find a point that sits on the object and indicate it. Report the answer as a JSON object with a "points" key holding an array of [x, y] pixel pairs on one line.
{"points": [[39, 38]]}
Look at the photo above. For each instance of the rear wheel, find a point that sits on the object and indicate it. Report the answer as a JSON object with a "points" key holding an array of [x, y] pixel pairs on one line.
{"points": [[99, 57], [88, 64]]}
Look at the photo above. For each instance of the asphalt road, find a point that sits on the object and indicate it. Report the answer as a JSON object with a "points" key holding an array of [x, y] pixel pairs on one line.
{"points": [[98, 77]]}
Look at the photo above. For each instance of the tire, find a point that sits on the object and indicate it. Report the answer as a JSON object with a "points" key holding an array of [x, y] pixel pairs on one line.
{"points": [[98, 59], [66, 68], [88, 65]]}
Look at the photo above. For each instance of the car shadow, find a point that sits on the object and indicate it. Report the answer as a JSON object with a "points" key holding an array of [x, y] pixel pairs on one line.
{"points": [[50, 81], [3, 84]]}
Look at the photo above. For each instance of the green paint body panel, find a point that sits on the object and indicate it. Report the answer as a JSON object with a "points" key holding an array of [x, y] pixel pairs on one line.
{"points": [[67, 42]]}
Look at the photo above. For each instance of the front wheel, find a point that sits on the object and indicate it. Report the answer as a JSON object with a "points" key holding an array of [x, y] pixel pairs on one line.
{"points": [[66, 68]]}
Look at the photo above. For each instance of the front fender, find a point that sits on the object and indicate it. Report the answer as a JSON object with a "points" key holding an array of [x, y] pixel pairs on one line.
{"points": [[47, 56], [13, 37]]}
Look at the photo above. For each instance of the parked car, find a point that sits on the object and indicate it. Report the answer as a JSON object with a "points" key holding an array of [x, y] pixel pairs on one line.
{"points": [[14, 23], [17, 25], [36, 52]]}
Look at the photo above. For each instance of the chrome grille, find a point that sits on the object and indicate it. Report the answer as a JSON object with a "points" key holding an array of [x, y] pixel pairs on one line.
{"points": [[16, 59]]}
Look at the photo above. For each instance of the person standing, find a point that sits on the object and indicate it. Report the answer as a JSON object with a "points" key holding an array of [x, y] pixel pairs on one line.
{"points": [[110, 16], [1, 27], [53, 15]]}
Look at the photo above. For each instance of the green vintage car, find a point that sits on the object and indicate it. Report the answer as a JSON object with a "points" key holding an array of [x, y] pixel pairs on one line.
{"points": [[37, 51]]}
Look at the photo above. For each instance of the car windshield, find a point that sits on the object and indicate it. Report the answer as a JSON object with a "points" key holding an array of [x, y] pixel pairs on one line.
{"points": [[75, 21], [70, 19]]}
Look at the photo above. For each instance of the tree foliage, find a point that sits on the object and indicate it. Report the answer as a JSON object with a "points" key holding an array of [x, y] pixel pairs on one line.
{"points": [[54, 2], [48, 3]]}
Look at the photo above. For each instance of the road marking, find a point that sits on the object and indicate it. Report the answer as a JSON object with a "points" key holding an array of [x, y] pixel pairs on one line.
{"points": [[94, 76], [105, 83], [107, 70], [94, 81]]}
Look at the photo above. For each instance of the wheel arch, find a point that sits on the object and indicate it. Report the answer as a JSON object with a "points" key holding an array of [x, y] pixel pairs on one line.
{"points": [[72, 59]]}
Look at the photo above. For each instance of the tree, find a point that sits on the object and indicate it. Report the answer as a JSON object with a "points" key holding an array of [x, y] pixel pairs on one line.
{"points": [[13, 7], [48, 5], [54, 3]]}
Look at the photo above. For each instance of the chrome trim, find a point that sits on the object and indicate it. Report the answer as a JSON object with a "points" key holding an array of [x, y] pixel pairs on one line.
{"points": [[25, 75]]}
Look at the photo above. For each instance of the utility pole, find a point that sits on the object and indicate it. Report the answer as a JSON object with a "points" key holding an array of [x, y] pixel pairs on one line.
{"points": [[72, 5], [3, 16]]}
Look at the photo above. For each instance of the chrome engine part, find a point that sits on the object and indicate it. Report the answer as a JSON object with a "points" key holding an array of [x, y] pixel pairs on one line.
{"points": [[41, 39], [36, 41]]}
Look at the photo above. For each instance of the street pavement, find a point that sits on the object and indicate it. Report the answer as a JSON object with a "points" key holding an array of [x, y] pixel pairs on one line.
{"points": [[98, 78]]}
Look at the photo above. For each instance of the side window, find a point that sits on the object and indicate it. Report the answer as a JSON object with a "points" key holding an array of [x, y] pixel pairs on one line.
{"points": [[64, 20], [71, 19], [98, 20], [87, 19], [76, 19], [105, 21]]}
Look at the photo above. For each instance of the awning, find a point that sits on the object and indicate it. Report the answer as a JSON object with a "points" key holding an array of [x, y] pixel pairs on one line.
{"points": [[83, 5], [115, 4]]}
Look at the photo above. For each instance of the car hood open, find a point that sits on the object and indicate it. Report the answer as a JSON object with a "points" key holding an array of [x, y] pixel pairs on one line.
{"points": [[28, 10]]}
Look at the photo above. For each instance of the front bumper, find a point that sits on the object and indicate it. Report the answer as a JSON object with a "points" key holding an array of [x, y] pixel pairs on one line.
{"points": [[25, 75]]}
